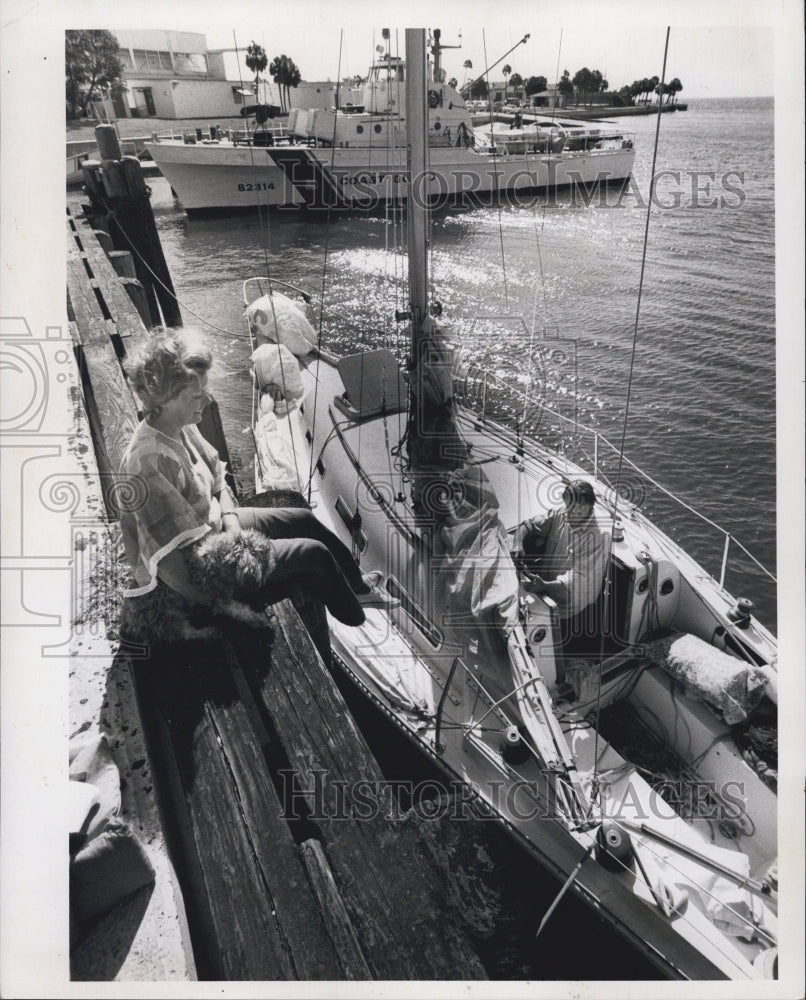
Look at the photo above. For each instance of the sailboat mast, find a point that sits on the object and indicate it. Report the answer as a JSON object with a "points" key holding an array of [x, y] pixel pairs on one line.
{"points": [[417, 150]]}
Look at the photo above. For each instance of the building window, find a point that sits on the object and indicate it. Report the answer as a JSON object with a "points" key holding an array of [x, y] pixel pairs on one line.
{"points": [[151, 59], [125, 59], [190, 62]]}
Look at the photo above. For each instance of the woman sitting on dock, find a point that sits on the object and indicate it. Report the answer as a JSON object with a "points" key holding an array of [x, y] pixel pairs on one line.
{"points": [[178, 479]]}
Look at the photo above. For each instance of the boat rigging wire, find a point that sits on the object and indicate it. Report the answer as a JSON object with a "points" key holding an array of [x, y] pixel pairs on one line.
{"points": [[553, 120], [320, 322], [606, 603], [391, 209], [497, 193]]}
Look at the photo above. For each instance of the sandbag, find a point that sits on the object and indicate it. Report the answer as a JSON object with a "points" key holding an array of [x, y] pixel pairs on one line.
{"points": [[277, 469], [274, 364], [720, 680], [274, 318]]}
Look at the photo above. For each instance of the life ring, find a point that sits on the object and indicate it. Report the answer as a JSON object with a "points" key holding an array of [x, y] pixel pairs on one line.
{"points": [[434, 99]]}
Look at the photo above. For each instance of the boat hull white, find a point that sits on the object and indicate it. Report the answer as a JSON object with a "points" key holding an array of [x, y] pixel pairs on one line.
{"points": [[405, 668], [225, 177]]}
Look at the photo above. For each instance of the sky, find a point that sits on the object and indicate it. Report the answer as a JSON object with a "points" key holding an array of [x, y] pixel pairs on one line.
{"points": [[718, 48], [711, 61]]}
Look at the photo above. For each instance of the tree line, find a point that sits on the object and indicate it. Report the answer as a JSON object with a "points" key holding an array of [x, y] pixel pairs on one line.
{"points": [[584, 83]]}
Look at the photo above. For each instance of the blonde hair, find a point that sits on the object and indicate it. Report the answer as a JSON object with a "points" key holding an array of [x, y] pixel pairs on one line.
{"points": [[165, 365]]}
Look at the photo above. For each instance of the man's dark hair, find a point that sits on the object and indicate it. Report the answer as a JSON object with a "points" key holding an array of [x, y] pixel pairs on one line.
{"points": [[579, 491]]}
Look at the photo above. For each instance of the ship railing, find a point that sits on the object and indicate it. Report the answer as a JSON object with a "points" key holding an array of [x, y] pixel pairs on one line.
{"points": [[213, 134], [588, 449]]}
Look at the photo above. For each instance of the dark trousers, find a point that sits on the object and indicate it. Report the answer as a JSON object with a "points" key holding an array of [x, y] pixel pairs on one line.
{"points": [[311, 556]]}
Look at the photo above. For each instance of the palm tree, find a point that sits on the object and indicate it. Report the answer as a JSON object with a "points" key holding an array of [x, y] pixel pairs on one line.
{"points": [[293, 79], [565, 86], [256, 60], [506, 71], [467, 65], [674, 88], [453, 82], [517, 81], [285, 74]]}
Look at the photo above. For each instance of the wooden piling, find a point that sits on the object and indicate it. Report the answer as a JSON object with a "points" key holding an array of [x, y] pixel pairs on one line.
{"points": [[123, 263], [251, 887], [116, 188], [104, 239]]}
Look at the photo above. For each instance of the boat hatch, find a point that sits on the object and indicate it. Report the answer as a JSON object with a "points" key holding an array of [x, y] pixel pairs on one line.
{"points": [[373, 384]]}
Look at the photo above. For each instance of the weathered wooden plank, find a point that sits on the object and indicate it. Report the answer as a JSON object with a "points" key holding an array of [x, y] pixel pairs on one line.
{"points": [[82, 299], [334, 911], [109, 404], [103, 277], [265, 917], [134, 289], [117, 300], [385, 881]]}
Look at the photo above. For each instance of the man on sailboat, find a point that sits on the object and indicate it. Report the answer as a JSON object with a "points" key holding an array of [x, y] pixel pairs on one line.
{"points": [[564, 554]]}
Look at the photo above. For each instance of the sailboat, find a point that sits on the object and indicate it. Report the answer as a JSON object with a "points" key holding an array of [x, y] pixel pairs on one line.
{"points": [[543, 734], [354, 157]]}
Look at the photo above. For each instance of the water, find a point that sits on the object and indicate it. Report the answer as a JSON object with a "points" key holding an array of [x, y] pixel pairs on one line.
{"points": [[701, 416]]}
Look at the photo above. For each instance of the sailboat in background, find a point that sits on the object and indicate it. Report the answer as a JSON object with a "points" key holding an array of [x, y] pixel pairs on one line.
{"points": [[430, 487], [354, 157]]}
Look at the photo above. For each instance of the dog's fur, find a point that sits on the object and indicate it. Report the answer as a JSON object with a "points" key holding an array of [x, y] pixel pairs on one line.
{"points": [[229, 569]]}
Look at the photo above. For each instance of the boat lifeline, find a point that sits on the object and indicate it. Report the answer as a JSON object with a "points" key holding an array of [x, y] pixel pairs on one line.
{"points": [[615, 755], [354, 157]]}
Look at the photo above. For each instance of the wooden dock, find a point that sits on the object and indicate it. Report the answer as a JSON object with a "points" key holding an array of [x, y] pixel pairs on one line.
{"points": [[239, 757]]}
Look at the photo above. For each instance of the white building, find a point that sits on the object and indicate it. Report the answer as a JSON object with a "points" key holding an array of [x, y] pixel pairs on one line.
{"points": [[172, 74]]}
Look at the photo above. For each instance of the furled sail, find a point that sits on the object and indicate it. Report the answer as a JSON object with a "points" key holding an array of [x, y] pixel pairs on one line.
{"points": [[473, 568]]}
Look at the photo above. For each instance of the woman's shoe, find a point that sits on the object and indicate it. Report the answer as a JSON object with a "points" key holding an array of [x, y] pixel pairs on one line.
{"points": [[376, 596]]}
